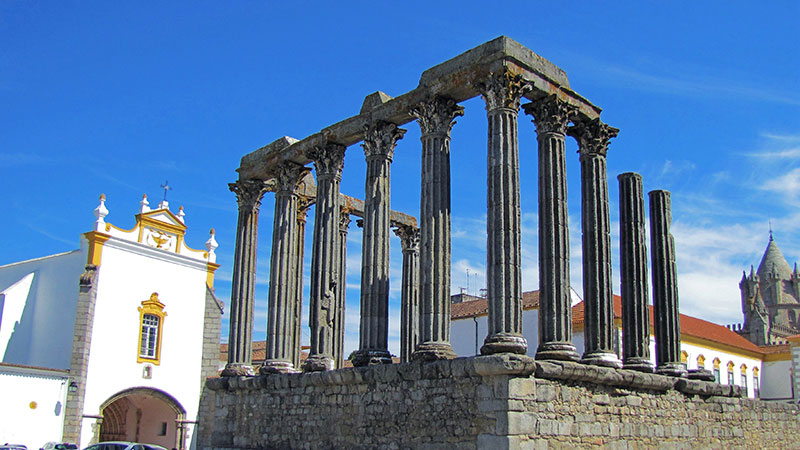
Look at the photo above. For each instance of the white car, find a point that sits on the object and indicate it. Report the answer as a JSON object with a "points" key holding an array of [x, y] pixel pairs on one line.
{"points": [[119, 445], [59, 446]]}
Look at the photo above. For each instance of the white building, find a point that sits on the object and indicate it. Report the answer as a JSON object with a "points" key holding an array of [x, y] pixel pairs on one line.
{"points": [[110, 341], [732, 358]]}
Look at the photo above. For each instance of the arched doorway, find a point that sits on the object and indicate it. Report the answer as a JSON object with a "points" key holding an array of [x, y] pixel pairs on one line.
{"points": [[145, 415]]}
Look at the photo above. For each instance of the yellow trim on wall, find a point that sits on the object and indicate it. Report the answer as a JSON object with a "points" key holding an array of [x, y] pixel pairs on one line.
{"points": [[210, 269], [155, 307], [717, 363], [684, 356], [718, 346], [783, 356], [96, 241], [701, 361]]}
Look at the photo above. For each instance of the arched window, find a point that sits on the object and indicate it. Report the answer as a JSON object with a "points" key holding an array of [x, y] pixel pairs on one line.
{"points": [[701, 362], [684, 356], [756, 383], [151, 326], [716, 370], [743, 369], [730, 373]]}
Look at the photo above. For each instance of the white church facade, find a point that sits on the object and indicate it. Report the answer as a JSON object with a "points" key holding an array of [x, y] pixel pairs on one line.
{"points": [[111, 341]]}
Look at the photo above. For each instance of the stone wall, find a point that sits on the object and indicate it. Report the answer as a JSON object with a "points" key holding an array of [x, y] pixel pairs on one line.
{"points": [[494, 402]]}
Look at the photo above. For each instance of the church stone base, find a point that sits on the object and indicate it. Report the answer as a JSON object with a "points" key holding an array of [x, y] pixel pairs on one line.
{"points": [[500, 401]]}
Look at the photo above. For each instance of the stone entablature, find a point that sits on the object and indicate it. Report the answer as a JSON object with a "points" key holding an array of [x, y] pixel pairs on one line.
{"points": [[500, 401]]}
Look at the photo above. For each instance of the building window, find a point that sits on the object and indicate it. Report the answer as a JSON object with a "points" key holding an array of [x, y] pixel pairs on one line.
{"points": [[744, 377], [151, 330], [716, 370], [730, 373], [684, 357], [701, 362], [756, 384]]}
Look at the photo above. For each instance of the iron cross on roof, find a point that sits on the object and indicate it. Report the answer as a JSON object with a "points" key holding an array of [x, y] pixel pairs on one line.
{"points": [[166, 188]]}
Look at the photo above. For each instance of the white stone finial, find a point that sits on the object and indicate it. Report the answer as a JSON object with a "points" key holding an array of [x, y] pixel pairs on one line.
{"points": [[144, 205], [163, 204], [101, 212], [181, 214], [211, 245]]}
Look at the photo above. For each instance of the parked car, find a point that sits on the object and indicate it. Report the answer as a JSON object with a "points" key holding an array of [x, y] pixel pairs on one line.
{"points": [[8, 446], [119, 445], [59, 446]]}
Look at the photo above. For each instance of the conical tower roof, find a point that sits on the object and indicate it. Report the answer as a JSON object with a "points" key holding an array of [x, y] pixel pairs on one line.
{"points": [[774, 258]]}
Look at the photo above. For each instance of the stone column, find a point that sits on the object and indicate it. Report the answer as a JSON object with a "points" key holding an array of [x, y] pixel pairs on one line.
{"points": [[303, 204], [502, 93], [633, 274], [409, 303], [341, 294], [436, 119], [665, 287], [551, 116], [593, 137], [329, 162], [379, 142], [240, 337], [282, 278]]}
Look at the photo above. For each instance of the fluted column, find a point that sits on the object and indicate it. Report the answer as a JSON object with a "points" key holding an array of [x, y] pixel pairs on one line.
{"points": [[551, 116], [633, 274], [502, 93], [329, 162], [436, 119], [598, 332], [341, 294], [409, 296], [282, 278], [665, 287], [240, 337], [302, 213], [379, 142]]}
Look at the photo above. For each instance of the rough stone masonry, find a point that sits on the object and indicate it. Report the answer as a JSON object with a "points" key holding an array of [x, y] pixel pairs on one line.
{"points": [[502, 399]]}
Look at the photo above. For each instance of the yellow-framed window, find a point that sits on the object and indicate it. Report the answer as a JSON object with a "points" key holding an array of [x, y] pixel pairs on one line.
{"points": [[151, 330]]}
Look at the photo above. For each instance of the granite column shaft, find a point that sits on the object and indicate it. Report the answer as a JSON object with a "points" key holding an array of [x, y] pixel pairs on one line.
{"points": [[409, 296], [502, 93], [665, 287], [593, 137], [436, 119], [283, 281], [551, 117], [329, 162], [240, 337], [633, 274], [341, 294], [302, 213], [379, 142]]}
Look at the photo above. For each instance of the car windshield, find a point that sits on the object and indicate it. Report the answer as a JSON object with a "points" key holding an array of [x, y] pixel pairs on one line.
{"points": [[65, 446], [107, 447]]}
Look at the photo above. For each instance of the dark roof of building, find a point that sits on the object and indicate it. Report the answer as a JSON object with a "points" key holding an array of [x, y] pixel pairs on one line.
{"points": [[773, 259]]}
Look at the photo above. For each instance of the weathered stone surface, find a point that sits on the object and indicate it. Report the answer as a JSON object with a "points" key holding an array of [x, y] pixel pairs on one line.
{"points": [[409, 293], [488, 402]]}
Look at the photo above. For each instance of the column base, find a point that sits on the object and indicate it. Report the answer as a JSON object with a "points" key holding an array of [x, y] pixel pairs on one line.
{"points": [[318, 363], [601, 358], [237, 370], [639, 364], [560, 351], [504, 343], [363, 358], [672, 369], [277, 366], [700, 374], [433, 351]]}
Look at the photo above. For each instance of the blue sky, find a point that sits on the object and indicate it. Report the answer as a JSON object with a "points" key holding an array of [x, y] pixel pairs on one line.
{"points": [[112, 98]]}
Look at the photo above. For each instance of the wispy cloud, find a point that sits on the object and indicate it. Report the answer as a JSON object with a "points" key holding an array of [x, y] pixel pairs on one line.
{"points": [[23, 159]]}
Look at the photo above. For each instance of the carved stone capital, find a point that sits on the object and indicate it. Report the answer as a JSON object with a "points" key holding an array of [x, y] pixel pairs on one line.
{"points": [[344, 220], [593, 136], [503, 90], [380, 139], [248, 193], [437, 116], [409, 237], [303, 204], [550, 115], [328, 159], [288, 176]]}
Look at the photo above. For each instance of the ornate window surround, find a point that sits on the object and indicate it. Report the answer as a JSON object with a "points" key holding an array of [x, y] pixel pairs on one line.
{"points": [[155, 307]]}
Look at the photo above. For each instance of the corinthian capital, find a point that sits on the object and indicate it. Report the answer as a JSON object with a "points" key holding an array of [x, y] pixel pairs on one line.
{"points": [[328, 159], [409, 237], [550, 115], [288, 175], [503, 90], [437, 116], [593, 136], [381, 138], [248, 193]]}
